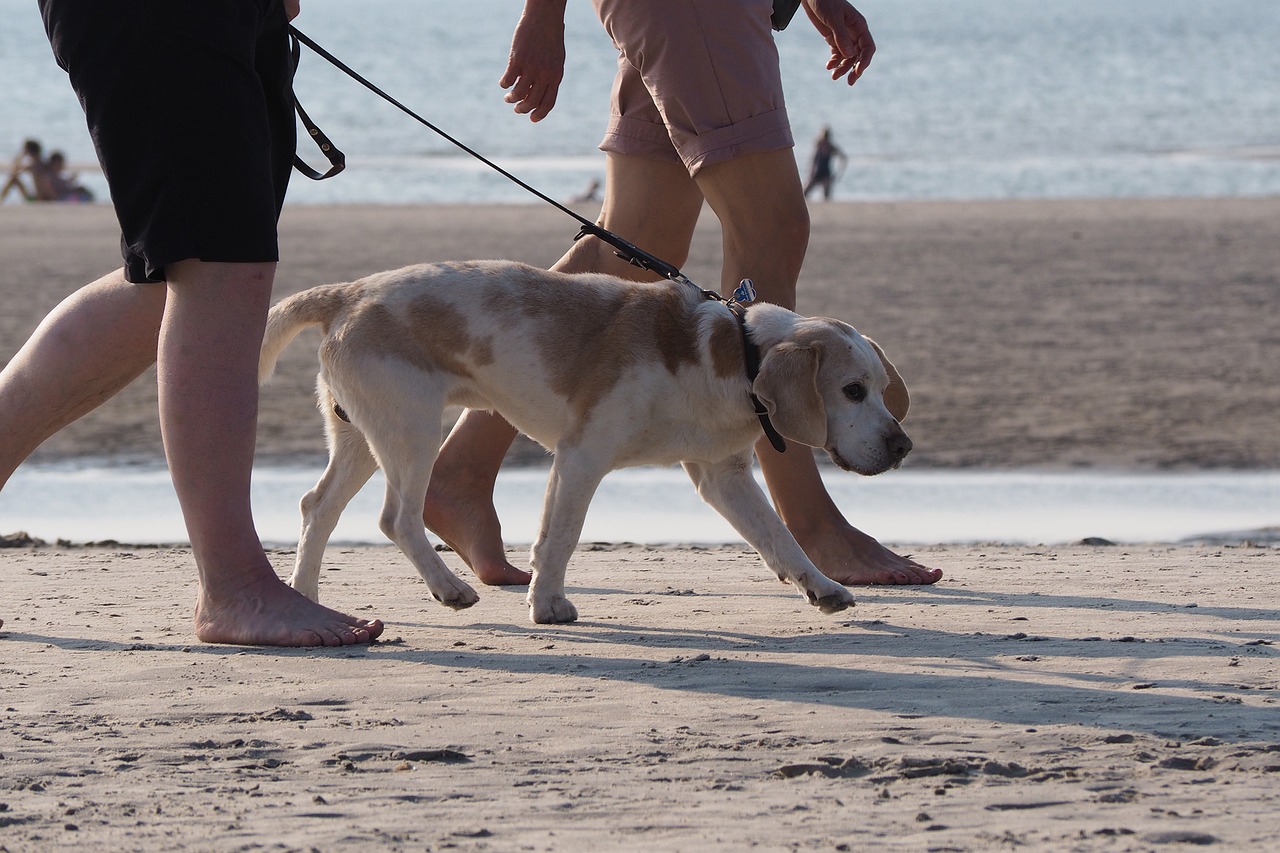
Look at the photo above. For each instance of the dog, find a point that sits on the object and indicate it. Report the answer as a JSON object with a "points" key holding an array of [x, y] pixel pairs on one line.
{"points": [[604, 372]]}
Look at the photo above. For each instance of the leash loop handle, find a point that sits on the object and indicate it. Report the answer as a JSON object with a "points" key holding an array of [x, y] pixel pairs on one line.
{"points": [[337, 160]]}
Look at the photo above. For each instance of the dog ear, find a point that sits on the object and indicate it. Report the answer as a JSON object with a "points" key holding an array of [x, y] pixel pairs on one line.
{"points": [[788, 388], [896, 397]]}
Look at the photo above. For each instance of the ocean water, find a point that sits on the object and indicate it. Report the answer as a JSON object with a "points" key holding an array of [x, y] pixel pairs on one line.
{"points": [[965, 99]]}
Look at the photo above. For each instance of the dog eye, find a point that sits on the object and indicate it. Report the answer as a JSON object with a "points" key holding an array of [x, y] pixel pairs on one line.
{"points": [[855, 391]]}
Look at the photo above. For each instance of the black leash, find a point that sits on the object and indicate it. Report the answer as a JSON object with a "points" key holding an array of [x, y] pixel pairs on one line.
{"points": [[337, 160], [626, 250]]}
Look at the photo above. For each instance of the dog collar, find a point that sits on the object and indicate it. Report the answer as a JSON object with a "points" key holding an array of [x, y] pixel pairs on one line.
{"points": [[751, 356]]}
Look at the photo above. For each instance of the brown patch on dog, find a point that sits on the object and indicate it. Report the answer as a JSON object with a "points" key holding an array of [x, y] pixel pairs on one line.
{"points": [[673, 329], [591, 337], [439, 331], [431, 337], [725, 344]]}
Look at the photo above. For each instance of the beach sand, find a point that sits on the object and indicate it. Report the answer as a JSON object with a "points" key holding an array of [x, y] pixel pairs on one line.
{"points": [[1039, 699], [1103, 334], [1066, 698]]}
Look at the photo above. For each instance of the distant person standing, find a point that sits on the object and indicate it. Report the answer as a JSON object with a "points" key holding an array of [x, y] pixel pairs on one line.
{"points": [[821, 173]]}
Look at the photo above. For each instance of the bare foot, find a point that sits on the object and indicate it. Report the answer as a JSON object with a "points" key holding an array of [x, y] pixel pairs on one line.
{"points": [[267, 612], [853, 558], [472, 530]]}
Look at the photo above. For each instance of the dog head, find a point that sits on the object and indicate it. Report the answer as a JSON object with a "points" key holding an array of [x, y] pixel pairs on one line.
{"points": [[828, 386]]}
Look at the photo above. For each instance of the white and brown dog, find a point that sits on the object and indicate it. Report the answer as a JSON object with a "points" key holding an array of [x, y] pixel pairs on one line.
{"points": [[606, 373]]}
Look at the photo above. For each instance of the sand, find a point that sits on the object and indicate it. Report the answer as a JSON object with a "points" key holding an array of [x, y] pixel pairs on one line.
{"points": [[1039, 699], [1083, 334], [1066, 698]]}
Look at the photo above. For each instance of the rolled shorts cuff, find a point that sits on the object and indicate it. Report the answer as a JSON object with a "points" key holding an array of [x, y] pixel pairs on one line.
{"points": [[759, 134]]}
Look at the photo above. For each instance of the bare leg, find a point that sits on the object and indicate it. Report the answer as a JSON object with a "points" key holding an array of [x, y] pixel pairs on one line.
{"points": [[97, 341], [459, 505], [766, 242], [208, 355], [94, 344], [654, 205]]}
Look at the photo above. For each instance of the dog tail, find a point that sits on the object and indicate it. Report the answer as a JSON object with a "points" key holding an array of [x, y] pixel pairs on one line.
{"points": [[315, 307]]}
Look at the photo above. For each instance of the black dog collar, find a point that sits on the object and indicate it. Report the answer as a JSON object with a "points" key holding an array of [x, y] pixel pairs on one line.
{"points": [[751, 355]]}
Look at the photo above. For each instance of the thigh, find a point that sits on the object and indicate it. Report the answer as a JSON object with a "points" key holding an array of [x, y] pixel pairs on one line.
{"points": [[650, 202], [711, 74], [190, 107]]}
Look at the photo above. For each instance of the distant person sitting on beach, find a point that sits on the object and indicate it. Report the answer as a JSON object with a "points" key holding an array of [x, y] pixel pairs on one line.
{"points": [[63, 184], [591, 193], [29, 174], [820, 173], [49, 180]]}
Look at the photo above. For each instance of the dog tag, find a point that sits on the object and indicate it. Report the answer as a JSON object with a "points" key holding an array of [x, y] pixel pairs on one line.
{"points": [[745, 292]]}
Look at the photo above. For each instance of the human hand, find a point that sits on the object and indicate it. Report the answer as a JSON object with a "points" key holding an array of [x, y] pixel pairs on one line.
{"points": [[292, 8], [536, 64], [847, 33]]}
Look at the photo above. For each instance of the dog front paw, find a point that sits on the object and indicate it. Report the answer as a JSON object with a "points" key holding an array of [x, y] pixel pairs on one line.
{"points": [[830, 599], [551, 611], [457, 595], [833, 603]]}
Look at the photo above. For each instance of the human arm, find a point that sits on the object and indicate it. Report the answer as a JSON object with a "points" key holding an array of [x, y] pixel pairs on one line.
{"points": [[846, 32], [292, 8], [535, 66], [15, 183]]}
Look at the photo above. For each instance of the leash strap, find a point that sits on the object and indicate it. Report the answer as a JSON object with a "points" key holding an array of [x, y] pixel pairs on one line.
{"points": [[627, 251], [337, 160]]}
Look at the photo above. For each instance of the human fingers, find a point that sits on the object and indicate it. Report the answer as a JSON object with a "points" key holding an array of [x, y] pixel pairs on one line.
{"points": [[532, 98], [846, 33], [854, 64]]}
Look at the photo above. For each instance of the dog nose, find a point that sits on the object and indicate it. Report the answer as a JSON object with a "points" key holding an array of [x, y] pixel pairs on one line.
{"points": [[898, 446]]}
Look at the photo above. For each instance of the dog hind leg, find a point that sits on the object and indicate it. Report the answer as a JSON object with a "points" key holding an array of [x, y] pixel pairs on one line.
{"points": [[350, 467], [405, 438]]}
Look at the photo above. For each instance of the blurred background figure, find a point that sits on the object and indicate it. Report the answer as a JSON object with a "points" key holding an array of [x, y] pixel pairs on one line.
{"points": [[39, 179], [62, 184], [591, 193], [29, 174], [821, 173]]}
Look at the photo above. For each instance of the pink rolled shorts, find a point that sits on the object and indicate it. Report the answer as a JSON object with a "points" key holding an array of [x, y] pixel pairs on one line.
{"points": [[698, 80]]}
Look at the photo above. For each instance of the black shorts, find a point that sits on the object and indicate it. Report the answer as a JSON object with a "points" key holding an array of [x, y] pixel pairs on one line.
{"points": [[190, 106]]}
